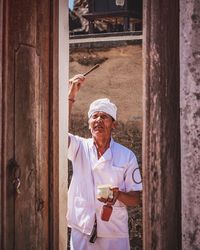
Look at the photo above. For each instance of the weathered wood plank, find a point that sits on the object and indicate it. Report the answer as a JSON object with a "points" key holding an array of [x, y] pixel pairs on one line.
{"points": [[161, 140], [26, 119], [26, 145], [1, 123]]}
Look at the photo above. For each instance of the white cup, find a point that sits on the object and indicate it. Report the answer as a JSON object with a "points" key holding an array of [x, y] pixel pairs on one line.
{"points": [[103, 191]]}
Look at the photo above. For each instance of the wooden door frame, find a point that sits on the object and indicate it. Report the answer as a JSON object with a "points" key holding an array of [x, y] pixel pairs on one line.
{"points": [[155, 211], [63, 65], [1, 123], [161, 126], [54, 131], [57, 162], [59, 125]]}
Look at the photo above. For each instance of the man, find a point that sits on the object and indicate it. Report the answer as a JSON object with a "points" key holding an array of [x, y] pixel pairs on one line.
{"points": [[97, 161]]}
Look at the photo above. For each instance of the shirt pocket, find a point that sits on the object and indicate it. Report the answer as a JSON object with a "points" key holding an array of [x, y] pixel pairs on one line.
{"points": [[118, 176], [119, 217], [116, 227], [81, 211]]}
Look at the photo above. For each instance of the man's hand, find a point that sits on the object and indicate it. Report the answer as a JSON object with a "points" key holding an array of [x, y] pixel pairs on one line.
{"points": [[131, 199], [75, 84], [111, 201]]}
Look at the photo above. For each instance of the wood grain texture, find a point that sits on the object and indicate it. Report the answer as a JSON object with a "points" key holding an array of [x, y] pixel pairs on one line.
{"points": [[28, 107], [161, 139], [27, 144]]}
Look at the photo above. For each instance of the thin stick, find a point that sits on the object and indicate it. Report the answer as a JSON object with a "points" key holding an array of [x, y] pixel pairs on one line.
{"points": [[93, 68]]}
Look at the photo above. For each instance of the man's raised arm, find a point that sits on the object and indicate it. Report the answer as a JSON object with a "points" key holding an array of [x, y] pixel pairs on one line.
{"points": [[75, 84]]}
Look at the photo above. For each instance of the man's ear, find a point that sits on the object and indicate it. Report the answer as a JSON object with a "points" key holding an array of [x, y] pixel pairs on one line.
{"points": [[114, 125], [89, 125]]}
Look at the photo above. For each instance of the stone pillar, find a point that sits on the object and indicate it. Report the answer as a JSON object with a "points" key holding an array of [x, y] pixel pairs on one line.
{"points": [[161, 140], [190, 121]]}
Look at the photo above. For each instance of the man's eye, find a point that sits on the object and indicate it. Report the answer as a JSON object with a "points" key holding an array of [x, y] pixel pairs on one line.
{"points": [[105, 117]]}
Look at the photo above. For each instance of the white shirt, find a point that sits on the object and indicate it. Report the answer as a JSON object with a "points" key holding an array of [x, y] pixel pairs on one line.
{"points": [[115, 167]]}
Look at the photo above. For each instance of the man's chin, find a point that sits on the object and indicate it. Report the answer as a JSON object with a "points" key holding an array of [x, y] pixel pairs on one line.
{"points": [[98, 132]]}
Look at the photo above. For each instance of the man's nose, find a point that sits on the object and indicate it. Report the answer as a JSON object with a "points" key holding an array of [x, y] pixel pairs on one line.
{"points": [[99, 118]]}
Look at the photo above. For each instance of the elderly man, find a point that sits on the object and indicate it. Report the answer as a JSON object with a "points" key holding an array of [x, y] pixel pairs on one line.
{"points": [[97, 161]]}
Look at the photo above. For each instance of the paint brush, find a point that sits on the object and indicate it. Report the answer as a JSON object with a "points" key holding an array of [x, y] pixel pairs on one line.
{"points": [[93, 68]]}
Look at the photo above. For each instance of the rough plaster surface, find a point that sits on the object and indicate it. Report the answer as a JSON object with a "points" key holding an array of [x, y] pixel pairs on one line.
{"points": [[118, 78], [190, 122]]}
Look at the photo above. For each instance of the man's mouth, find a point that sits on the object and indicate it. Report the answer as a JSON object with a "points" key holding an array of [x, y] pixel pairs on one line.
{"points": [[98, 127]]}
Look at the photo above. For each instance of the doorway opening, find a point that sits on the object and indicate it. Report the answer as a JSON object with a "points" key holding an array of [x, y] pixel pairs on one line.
{"points": [[119, 78]]}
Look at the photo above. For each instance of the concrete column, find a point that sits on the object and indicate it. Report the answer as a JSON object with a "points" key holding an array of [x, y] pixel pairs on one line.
{"points": [[190, 121]]}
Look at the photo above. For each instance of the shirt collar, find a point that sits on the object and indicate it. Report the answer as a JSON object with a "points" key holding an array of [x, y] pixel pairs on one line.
{"points": [[91, 142]]}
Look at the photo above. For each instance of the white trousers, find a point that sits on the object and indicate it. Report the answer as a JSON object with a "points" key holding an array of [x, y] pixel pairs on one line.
{"points": [[80, 241]]}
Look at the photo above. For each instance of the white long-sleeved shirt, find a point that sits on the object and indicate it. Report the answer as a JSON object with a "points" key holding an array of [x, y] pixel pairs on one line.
{"points": [[116, 168]]}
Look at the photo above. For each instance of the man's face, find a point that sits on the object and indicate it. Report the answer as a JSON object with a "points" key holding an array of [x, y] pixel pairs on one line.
{"points": [[101, 124]]}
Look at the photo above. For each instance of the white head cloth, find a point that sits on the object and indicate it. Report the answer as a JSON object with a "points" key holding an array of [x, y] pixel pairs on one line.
{"points": [[103, 105]]}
